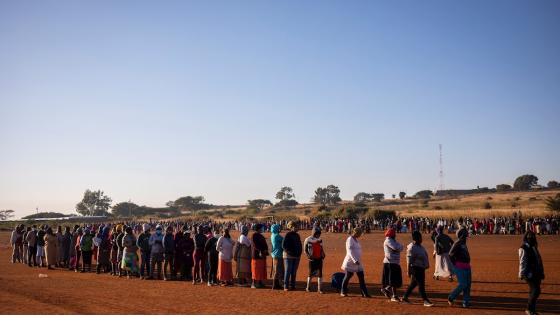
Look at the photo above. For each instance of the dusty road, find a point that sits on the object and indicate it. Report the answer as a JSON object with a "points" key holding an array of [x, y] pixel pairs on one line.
{"points": [[495, 289]]}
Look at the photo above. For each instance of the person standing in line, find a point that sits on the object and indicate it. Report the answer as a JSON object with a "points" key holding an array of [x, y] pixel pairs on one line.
{"points": [[16, 242], [199, 264], [313, 246], [292, 248], [461, 260], [66, 242], [211, 253], [143, 243], [186, 248], [51, 247], [103, 251], [353, 263], [60, 247], [31, 239], [531, 269], [130, 258], [442, 246], [169, 254], [25, 252], [258, 255], [277, 271], [86, 248], [225, 249], [41, 246], [156, 254], [120, 249], [242, 254], [79, 235], [417, 262], [392, 273]]}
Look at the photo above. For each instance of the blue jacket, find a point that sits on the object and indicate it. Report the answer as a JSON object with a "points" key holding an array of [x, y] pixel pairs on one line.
{"points": [[276, 241]]}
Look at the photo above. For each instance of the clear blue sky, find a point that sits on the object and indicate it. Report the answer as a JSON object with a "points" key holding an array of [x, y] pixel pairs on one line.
{"points": [[231, 100]]}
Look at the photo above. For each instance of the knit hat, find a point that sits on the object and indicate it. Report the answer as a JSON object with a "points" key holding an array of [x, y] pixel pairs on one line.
{"points": [[390, 233]]}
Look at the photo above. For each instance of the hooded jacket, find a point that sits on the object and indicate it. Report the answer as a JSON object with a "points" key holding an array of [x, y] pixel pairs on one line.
{"points": [[276, 241]]}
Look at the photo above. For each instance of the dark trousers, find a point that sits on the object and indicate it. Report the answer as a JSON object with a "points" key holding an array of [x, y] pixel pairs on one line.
{"points": [[32, 255], [86, 257], [417, 278], [534, 292], [78, 256], [213, 268], [169, 261], [290, 272], [144, 263], [348, 275]]}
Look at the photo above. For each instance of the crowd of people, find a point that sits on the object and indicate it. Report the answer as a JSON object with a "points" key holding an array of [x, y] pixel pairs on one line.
{"points": [[204, 252]]}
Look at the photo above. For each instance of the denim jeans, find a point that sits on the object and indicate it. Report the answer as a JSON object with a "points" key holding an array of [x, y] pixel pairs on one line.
{"points": [[464, 279], [290, 271]]}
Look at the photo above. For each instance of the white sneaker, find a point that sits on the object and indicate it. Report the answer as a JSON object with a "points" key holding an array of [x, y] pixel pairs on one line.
{"points": [[428, 304]]}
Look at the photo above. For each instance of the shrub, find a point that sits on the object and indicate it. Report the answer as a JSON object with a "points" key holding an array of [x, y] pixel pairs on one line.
{"points": [[487, 205], [553, 203], [437, 208]]}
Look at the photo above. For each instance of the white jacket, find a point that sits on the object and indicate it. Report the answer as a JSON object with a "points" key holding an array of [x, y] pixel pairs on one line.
{"points": [[225, 248], [392, 250], [353, 255]]}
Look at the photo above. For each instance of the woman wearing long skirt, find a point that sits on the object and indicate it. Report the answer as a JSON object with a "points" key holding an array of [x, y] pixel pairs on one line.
{"points": [[242, 254], [225, 249], [277, 272], [51, 248], [442, 245], [104, 251], [130, 258], [353, 263], [258, 261], [392, 273]]}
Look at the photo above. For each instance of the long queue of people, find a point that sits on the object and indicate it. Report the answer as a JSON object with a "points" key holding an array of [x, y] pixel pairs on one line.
{"points": [[171, 253]]}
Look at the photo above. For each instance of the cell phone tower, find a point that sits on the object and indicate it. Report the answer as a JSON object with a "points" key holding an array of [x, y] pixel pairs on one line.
{"points": [[441, 185]]}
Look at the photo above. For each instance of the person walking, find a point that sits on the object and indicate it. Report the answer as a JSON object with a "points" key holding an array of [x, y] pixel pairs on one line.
{"points": [[392, 273], [143, 243], [51, 247], [461, 260], [417, 262], [277, 271], [313, 246], [211, 253], [531, 269], [442, 246], [353, 263], [242, 254], [258, 257], [225, 249], [169, 254], [291, 245]]}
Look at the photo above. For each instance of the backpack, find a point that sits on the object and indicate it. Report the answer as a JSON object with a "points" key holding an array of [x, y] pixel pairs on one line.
{"points": [[315, 250], [336, 280]]}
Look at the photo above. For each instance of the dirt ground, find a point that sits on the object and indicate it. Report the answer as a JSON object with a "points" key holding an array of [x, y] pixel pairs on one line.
{"points": [[495, 288]]}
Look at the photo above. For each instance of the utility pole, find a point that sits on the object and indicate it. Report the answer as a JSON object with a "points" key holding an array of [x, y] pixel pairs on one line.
{"points": [[441, 185]]}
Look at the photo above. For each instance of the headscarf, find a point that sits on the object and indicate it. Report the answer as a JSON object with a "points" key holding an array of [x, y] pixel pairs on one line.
{"points": [[244, 230], [530, 238], [462, 233], [146, 227], [416, 235], [439, 229], [275, 229], [391, 233], [105, 232], [316, 231]]}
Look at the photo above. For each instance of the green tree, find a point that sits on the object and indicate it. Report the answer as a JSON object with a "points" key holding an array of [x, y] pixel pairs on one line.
{"points": [[402, 194], [503, 187], [189, 203], [94, 203], [46, 215], [553, 203], [552, 184], [6, 214], [329, 195], [524, 182], [362, 197], [257, 205], [285, 193], [424, 194], [125, 209]]}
